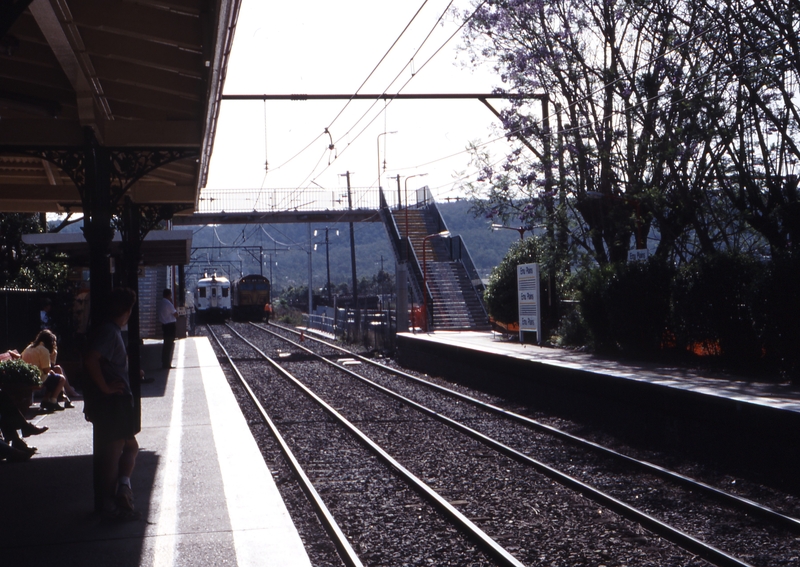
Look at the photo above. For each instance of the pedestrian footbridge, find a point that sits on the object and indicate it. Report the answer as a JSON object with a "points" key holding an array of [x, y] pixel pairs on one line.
{"points": [[442, 278], [254, 206]]}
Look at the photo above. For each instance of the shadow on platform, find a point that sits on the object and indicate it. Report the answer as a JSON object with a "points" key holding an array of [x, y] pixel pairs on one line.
{"points": [[53, 517]]}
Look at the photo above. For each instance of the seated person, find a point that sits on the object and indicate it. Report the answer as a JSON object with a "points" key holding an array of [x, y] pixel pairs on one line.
{"points": [[11, 454], [12, 421], [42, 353]]}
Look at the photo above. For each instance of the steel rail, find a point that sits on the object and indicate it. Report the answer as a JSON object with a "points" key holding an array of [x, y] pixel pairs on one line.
{"points": [[670, 533], [740, 502], [482, 538], [346, 551]]}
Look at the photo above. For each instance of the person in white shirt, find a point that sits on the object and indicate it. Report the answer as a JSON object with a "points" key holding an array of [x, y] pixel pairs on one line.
{"points": [[166, 316], [44, 314]]}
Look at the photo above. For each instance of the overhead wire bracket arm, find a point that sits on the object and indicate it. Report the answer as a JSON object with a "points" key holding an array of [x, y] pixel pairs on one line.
{"points": [[522, 139]]}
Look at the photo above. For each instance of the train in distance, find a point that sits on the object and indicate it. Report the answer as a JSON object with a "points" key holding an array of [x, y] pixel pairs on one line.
{"points": [[248, 298]]}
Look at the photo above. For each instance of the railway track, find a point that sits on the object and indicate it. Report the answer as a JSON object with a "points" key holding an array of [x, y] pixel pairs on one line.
{"points": [[541, 495]]}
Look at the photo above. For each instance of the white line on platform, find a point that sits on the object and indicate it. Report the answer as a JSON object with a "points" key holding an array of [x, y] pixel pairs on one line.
{"points": [[170, 477], [263, 533]]}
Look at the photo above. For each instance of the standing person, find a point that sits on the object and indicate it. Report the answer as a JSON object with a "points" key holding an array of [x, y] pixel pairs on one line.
{"points": [[109, 406], [166, 316]]}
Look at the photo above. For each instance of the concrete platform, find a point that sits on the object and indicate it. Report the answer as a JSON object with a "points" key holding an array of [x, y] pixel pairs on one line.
{"points": [[203, 491], [777, 396], [748, 425]]}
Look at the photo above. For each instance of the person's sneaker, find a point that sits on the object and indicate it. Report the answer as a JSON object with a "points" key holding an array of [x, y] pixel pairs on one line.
{"points": [[110, 510], [124, 497]]}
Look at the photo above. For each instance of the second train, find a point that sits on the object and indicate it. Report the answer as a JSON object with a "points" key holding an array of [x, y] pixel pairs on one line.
{"points": [[246, 299]]}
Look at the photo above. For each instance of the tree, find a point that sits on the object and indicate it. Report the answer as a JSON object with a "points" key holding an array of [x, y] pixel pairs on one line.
{"points": [[652, 121], [23, 266], [294, 296], [384, 282], [760, 132]]}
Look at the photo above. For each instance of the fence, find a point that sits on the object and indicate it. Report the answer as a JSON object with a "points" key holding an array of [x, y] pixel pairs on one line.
{"points": [[374, 329]]}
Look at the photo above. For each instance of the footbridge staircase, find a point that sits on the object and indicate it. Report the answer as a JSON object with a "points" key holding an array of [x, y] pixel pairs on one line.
{"points": [[441, 274]]}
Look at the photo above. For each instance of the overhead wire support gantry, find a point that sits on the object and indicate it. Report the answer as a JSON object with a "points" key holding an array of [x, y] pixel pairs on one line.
{"points": [[381, 96]]}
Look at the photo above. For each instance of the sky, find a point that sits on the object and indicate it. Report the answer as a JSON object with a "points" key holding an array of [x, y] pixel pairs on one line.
{"points": [[324, 47]]}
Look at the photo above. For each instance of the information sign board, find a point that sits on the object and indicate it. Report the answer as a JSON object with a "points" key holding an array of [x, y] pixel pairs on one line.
{"points": [[528, 298], [638, 255]]}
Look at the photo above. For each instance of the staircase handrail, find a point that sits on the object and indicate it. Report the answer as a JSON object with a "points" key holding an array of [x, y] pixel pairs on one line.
{"points": [[382, 199], [415, 269], [437, 215], [398, 245], [460, 253], [394, 233]]}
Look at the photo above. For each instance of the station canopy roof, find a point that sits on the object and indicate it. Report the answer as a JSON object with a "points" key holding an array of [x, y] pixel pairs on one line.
{"points": [[159, 248], [143, 75]]}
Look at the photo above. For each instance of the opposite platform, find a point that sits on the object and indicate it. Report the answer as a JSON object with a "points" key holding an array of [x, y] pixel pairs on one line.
{"points": [[202, 488], [773, 395], [752, 427]]}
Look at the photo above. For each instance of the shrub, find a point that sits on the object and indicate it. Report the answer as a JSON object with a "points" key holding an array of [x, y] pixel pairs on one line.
{"points": [[572, 330], [282, 313], [778, 314], [740, 310], [639, 305], [16, 373], [592, 291], [715, 300], [626, 306], [501, 293]]}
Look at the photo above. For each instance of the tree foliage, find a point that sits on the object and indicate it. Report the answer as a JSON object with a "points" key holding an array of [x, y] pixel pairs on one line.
{"points": [[23, 266], [673, 121], [626, 306], [501, 292]]}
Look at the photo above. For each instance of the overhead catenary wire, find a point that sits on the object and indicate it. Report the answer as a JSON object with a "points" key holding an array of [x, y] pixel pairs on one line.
{"points": [[399, 74], [576, 127], [439, 19], [364, 82], [327, 130], [385, 55]]}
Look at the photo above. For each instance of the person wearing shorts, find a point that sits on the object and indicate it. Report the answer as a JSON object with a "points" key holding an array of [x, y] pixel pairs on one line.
{"points": [[110, 409]]}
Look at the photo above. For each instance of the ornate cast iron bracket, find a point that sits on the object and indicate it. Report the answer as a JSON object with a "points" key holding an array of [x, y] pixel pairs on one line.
{"points": [[125, 166]]}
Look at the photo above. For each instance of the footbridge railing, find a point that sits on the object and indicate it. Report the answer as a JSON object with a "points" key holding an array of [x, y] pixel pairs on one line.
{"points": [[278, 200]]}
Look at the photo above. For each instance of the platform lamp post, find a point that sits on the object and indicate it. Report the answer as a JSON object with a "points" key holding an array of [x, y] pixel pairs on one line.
{"points": [[402, 266], [443, 234], [520, 229]]}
